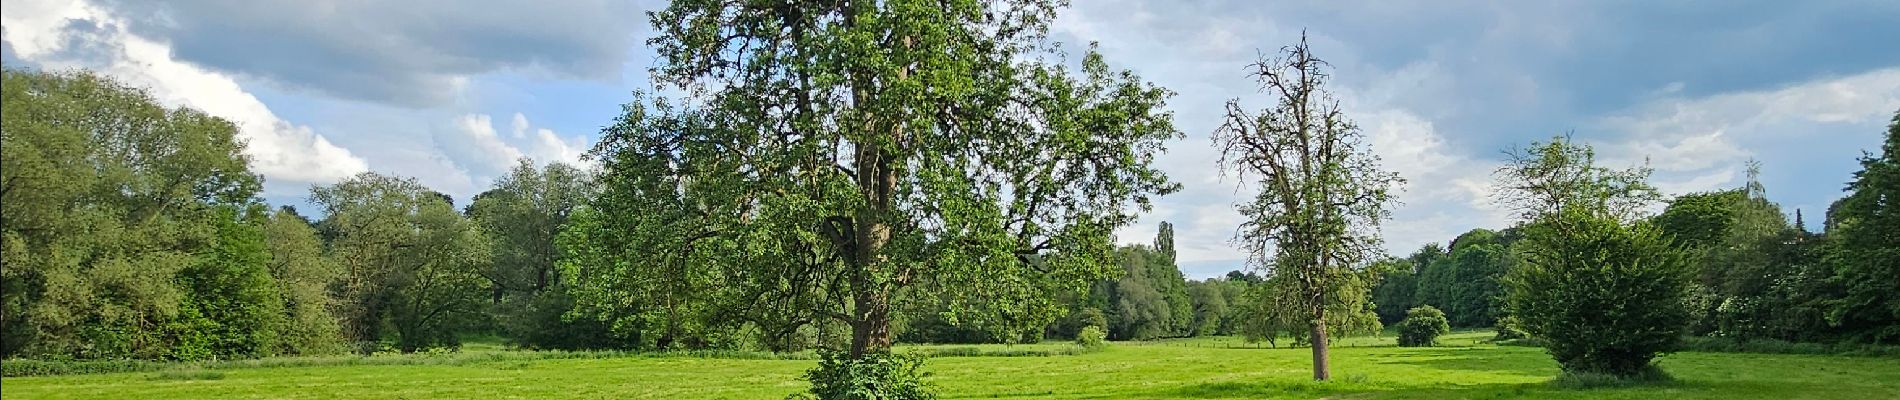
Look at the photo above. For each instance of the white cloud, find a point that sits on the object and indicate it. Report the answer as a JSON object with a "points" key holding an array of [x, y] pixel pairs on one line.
{"points": [[521, 126], [76, 34], [1446, 193], [1696, 144], [472, 144]]}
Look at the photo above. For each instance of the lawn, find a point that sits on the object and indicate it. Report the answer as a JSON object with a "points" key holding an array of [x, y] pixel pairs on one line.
{"points": [[1217, 368]]}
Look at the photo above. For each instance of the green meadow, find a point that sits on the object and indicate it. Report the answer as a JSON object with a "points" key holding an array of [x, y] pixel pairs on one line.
{"points": [[1203, 368]]}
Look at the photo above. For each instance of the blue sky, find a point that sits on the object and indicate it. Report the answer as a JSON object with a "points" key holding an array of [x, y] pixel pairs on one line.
{"points": [[450, 91]]}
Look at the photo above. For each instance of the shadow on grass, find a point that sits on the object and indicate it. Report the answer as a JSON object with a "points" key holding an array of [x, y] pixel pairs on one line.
{"points": [[1485, 359], [1339, 389]]}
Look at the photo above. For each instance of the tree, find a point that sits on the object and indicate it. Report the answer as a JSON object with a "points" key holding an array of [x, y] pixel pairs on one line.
{"points": [[521, 217], [1604, 293], [1322, 194], [1551, 176], [846, 158], [1210, 306], [1464, 283], [1865, 248], [114, 212], [305, 275], [1395, 293], [411, 262], [1734, 237]]}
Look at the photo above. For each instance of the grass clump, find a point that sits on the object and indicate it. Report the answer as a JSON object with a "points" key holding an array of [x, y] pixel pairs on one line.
{"points": [[1650, 375], [187, 375]]}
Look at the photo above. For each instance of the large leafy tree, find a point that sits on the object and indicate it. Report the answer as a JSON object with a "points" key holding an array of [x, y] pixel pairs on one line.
{"points": [[410, 261], [837, 159], [1865, 238], [522, 216], [304, 275], [112, 210], [1322, 192]]}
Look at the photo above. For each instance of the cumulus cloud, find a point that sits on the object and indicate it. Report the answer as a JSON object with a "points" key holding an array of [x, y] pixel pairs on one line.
{"points": [[77, 34], [412, 53], [471, 143]]}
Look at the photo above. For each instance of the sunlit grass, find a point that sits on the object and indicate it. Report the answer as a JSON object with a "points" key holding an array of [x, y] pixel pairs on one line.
{"points": [[1201, 368]]}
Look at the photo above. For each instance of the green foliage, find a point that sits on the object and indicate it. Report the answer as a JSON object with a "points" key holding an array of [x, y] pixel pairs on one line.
{"points": [[521, 218], [304, 274], [128, 230], [847, 160], [1509, 328], [1150, 300], [412, 263], [1396, 292], [1422, 327], [1549, 177], [233, 305], [1465, 282], [1605, 297], [1865, 248], [870, 376], [1092, 337], [1270, 311], [1211, 308]]}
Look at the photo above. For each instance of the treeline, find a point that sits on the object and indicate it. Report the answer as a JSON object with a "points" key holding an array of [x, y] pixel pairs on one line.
{"points": [[1759, 271], [133, 231]]}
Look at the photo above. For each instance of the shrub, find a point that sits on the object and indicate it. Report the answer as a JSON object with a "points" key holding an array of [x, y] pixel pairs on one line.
{"points": [[875, 376], [1421, 327], [1509, 328], [1605, 297], [1091, 337]]}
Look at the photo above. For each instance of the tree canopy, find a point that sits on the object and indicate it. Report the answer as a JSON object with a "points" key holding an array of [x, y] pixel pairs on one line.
{"points": [[848, 157]]}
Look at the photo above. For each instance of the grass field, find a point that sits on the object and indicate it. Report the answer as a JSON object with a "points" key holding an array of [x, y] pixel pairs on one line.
{"points": [[1217, 368]]}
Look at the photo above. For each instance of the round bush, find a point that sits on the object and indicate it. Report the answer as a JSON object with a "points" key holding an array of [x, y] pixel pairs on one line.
{"points": [[1421, 327], [1091, 337], [1604, 296]]}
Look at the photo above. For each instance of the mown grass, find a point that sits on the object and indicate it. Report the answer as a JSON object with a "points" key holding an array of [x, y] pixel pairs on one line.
{"points": [[1217, 368]]}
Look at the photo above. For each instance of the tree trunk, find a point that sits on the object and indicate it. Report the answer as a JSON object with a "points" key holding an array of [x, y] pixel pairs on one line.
{"points": [[871, 325], [1321, 368], [872, 332]]}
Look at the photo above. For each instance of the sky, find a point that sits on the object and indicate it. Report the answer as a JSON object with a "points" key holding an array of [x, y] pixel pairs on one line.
{"points": [[452, 92]]}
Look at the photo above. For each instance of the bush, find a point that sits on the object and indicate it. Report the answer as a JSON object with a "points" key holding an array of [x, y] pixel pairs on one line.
{"points": [[1605, 297], [1509, 328], [1091, 337], [1421, 327], [875, 376]]}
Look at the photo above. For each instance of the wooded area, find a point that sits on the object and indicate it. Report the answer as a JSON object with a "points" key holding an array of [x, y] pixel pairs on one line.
{"points": [[849, 176]]}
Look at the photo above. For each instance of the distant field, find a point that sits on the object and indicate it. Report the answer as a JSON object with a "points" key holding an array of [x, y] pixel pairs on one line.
{"points": [[1190, 369]]}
